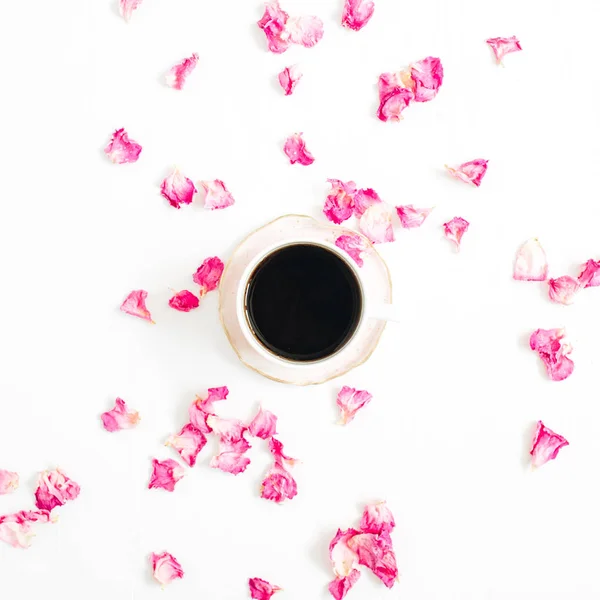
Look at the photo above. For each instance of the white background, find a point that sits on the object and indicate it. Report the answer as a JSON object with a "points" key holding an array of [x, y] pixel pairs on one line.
{"points": [[456, 389]]}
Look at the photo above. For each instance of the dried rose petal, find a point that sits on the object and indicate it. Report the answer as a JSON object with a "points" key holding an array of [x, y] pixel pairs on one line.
{"points": [[54, 489], [261, 589], [455, 229], [177, 75], [263, 425], [202, 408], [178, 189], [165, 568], [470, 172], [273, 23], [278, 485], [376, 553], [135, 305], [165, 474], [590, 276], [126, 7], [354, 245], [121, 149], [208, 274], [184, 301], [546, 445], [350, 401], [276, 449], [377, 518], [393, 103], [357, 13], [553, 350], [16, 530], [295, 149], [188, 442], [120, 417], [376, 224], [531, 263], [232, 444], [427, 75], [388, 82], [9, 481], [289, 78], [363, 199], [340, 586], [563, 289], [216, 195], [344, 562], [306, 30], [502, 46], [340, 201], [411, 217]]}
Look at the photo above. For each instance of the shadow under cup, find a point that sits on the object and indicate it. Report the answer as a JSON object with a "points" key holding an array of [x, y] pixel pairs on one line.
{"points": [[303, 302]]}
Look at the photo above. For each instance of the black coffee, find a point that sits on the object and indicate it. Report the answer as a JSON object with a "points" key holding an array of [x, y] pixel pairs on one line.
{"points": [[303, 302]]}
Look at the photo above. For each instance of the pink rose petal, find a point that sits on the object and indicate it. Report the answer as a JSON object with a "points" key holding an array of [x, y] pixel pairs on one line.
{"points": [[376, 553], [178, 189], [184, 301], [531, 263], [427, 75], [261, 589], [350, 401], [295, 149], [340, 586], [377, 518], [273, 23], [590, 276], [563, 289], [263, 425], [16, 529], [126, 7], [289, 78], [470, 172], [455, 229], [208, 274], [344, 562], [135, 305], [216, 195], [54, 489], [388, 82], [232, 444], [165, 568], [9, 481], [278, 484], [165, 474], [502, 46], [363, 199], [357, 13], [411, 217], [121, 149], [306, 31], [120, 417], [553, 350], [178, 74], [354, 245], [339, 204], [276, 449], [392, 103], [188, 442], [546, 445], [376, 224], [202, 408]]}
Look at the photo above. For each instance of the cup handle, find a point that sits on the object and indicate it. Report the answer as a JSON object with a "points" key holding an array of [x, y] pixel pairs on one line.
{"points": [[385, 312]]}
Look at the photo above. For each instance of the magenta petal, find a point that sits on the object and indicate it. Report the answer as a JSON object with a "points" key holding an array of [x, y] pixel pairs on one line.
{"points": [[354, 245], [470, 172], [120, 417], [350, 401], [339, 204], [411, 217], [208, 274], [357, 13], [135, 305], [273, 23], [184, 301], [289, 78], [376, 553], [344, 561], [590, 276], [9, 481], [340, 586], [188, 442], [261, 589], [165, 568], [54, 489], [165, 474], [376, 224], [263, 425], [202, 408], [295, 149], [531, 263], [502, 46], [178, 74], [427, 75], [563, 289], [553, 351], [178, 189], [216, 195], [126, 7], [363, 199], [546, 445], [232, 444], [455, 229], [393, 103], [278, 484], [16, 529], [121, 149], [377, 518]]}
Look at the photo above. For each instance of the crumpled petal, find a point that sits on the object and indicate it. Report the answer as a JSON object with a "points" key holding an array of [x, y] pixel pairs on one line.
{"points": [[553, 349], [16, 529], [120, 417], [563, 289], [273, 23], [9, 481], [354, 245], [232, 444], [188, 442], [165, 568], [392, 103], [590, 276], [261, 589], [295, 149], [470, 172], [184, 301], [126, 7], [165, 474], [208, 274], [376, 553], [54, 489], [376, 224], [202, 408], [340, 586], [306, 30], [216, 195], [276, 449], [531, 263], [377, 518], [278, 484], [289, 78], [263, 425], [178, 189], [350, 401], [344, 562], [339, 204], [502, 46], [357, 13], [135, 305], [178, 74], [363, 199], [427, 75], [411, 217], [455, 229], [546, 445], [121, 149]]}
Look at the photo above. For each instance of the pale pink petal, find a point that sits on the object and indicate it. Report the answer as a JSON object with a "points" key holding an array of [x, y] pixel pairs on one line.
{"points": [[202, 408], [340, 586], [531, 263], [289, 78], [178, 189], [261, 589], [208, 274], [178, 74], [590, 276], [278, 485], [339, 204], [263, 425], [344, 562], [306, 31], [9, 481], [16, 529], [455, 229], [357, 13], [428, 75], [273, 23], [126, 7], [135, 305], [120, 417], [54, 489], [377, 518], [502, 46], [232, 444], [470, 172], [295, 149], [165, 474], [376, 553], [350, 401], [165, 568], [546, 445], [188, 442], [411, 217], [553, 350], [376, 224], [216, 195], [363, 199], [184, 301], [563, 289], [121, 149], [393, 103], [354, 245]]}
